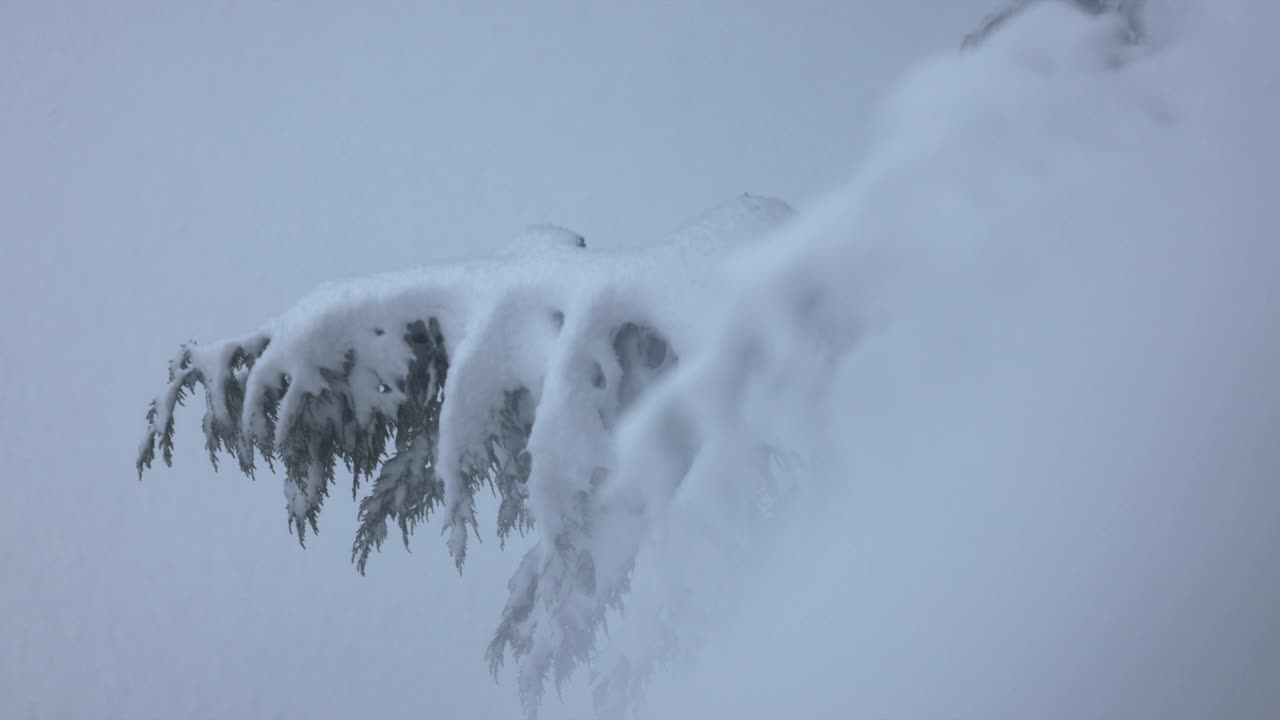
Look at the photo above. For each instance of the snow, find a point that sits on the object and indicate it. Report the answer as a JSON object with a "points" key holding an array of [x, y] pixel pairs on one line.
{"points": [[537, 320], [580, 334], [1027, 352], [1049, 470]]}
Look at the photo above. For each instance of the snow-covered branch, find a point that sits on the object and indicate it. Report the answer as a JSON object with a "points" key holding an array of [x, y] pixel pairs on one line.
{"points": [[511, 372]]}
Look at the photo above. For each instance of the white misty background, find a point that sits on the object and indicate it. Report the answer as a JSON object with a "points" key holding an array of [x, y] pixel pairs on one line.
{"points": [[1053, 457]]}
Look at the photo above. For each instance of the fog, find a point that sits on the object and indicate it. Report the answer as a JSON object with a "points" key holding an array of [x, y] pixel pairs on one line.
{"points": [[1054, 498], [1051, 477]]}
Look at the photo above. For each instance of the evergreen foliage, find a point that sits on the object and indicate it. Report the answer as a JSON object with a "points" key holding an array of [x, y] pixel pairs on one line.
{"points": [[511, 373]]}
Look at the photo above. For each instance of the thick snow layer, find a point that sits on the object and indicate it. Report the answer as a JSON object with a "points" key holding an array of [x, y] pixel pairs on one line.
{"points": [[510, 372], [1048, 462], [520, 319]]}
